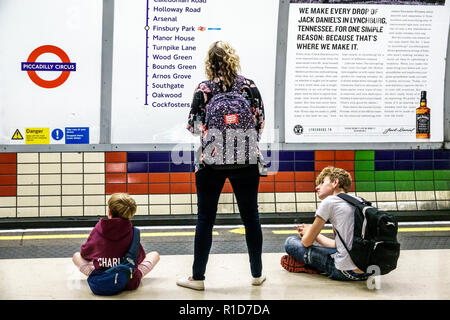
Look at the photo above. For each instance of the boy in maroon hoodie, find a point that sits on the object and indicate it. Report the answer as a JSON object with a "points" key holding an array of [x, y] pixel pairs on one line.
{"points": [[110, 240]]}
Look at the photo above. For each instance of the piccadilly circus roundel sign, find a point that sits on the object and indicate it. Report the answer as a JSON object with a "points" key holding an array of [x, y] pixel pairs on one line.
{"points": [[65, 66]]}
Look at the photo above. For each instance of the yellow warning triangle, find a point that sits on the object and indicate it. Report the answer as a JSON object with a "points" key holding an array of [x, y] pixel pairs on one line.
{"points": [[17, 135]]}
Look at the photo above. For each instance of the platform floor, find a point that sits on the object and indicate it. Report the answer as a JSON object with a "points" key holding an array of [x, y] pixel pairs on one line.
{"points": [[421, 274]]}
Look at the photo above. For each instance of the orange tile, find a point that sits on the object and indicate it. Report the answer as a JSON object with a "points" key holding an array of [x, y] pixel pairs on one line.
{"points": [[8, 168], [194, 188], [270, 177], [346, 165], [304, 186], [179, 177], [319, 165], [116, 178], [180, 188], [115, 157], [304, 176], [345, 155], [266, 187], [137, 188], [137, 178], [285, 176], [158, 178], [8, 191], [115, 187], [324, 155], [284, 187], [8, 180], [115, 167], [8, 157], [159, 188]]}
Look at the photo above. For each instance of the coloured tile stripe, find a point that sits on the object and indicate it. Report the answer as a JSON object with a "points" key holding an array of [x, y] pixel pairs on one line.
{"points": [[8, 174]]}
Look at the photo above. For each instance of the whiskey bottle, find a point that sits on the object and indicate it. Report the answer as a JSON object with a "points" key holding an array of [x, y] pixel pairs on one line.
{"points": [[423, 118]]}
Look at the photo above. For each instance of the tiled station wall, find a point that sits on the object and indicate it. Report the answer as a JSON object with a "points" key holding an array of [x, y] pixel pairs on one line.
{"points": [[79, 184]]}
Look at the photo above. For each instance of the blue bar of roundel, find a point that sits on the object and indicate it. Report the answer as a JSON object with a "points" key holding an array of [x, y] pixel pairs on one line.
{"points": [[137, 156], [135, 167], [384, 155], [159, 156], [49, 66]]}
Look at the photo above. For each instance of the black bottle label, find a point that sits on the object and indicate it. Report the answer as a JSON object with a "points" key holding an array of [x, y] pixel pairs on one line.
{"points": [[423, 123]]}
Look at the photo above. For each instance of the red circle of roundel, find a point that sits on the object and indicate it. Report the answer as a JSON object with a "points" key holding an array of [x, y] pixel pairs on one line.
{"points": [[48, 83]]}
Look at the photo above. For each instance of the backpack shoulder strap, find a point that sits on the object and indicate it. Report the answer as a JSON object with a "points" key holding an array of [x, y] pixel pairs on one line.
{"points": [[134, 248], [350, 199], [342, 240]]}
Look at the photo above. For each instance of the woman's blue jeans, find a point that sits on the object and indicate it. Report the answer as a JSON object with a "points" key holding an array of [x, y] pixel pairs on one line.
{"points": [[209, 184], [319, 258]]}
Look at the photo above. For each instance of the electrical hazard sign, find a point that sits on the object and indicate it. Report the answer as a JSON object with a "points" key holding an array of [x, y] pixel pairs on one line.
{"points": [[17, 135]]}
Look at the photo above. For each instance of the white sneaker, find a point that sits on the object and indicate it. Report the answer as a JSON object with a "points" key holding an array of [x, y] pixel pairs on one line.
{"points": [[191, 284], [258, 281]]}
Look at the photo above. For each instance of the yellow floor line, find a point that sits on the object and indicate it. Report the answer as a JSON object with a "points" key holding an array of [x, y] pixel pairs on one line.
{"points": [[81, 236], [399, 230]]}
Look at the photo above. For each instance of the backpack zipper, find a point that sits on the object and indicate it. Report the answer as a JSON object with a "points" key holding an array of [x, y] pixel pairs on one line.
{"points": [[115, 279], [376, 243], [131, 273]]}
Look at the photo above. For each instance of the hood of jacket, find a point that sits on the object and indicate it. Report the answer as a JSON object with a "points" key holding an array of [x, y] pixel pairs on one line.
{"points": [[114, 229]]}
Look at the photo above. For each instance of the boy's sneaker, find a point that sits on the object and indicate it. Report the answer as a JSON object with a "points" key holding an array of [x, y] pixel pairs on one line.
{"points": [[290, 264], [191, 284]]}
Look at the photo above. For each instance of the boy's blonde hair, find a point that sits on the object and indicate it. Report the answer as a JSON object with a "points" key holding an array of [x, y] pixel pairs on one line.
{"points": [[345, 180], [122, 205]]}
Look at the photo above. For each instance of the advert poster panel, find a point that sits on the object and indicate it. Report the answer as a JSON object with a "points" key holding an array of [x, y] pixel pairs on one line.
{"points": [[366, 71]]}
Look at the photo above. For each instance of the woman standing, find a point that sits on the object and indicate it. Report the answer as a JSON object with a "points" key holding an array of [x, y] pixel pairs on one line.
{"points": [[211, 170]]}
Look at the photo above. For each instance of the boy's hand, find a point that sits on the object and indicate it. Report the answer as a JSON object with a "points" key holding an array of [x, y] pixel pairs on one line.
{"points": [[302, 229]]}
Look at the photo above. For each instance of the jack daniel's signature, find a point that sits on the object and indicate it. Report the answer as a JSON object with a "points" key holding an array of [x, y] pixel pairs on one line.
{"points": [[390, 130]]}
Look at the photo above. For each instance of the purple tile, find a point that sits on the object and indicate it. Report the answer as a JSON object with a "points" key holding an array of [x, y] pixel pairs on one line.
{"points": [[384, 155], [158, 167], [159, 156], [441, 165], [137, 156], [441, 154], [304, 155], [384, 165], [304, 166], [423, 165], [423, 154], [404, 155], [136, 167]]}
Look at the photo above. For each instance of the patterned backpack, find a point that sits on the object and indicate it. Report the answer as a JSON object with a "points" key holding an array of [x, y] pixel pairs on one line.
{"points": [[230, 134]]}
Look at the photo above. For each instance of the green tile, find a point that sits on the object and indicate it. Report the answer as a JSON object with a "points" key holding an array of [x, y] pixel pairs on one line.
{"points": [[423, 175], [404, 175], [365, 186], [424, 185], [364, 155], [364, 175], [404, 185], [442, 175], [364, 166], [384, 176], [384, 186], [442, 185]]}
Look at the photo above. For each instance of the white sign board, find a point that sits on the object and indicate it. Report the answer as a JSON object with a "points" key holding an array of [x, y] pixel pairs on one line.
{"points": [[50, 71], [356, 72], [159, 57]]}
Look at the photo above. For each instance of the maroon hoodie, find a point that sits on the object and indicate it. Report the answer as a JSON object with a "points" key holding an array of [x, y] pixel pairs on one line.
{"points": [[108, 242]]}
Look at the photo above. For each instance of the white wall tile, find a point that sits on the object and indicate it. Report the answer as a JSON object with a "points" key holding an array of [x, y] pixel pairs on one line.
{"points": [[72, 200], [180, 199], [27, 179], [426, 205], [306, 207], [72, 178], [442, 195], [50, 168], [94, 157], [27, 158], [142, 210], [94, 200], [180, 209], [94, 211], [49, 157], [7, 212], [159, 199], [285, 197], [72, 211], [159, 209], [385, 196], [224, 208], [94, 168], [27, 168], [266, 207], [369, 196], [286, 207], [94, 178], [27, 212], [50, 211], [7, 202], [27, 190], [443, 205], [306, 196], [141, 199], [425, 195], [50, 201], [407, 205], [48, 179], [94, 189], [72, 168], [72, 157], [27, 201], [72, 189], [406, 196], [50, 190]]}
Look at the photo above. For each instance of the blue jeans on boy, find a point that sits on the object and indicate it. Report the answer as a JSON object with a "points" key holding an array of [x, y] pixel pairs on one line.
{"points": [[319, 258], [209, 183]]}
